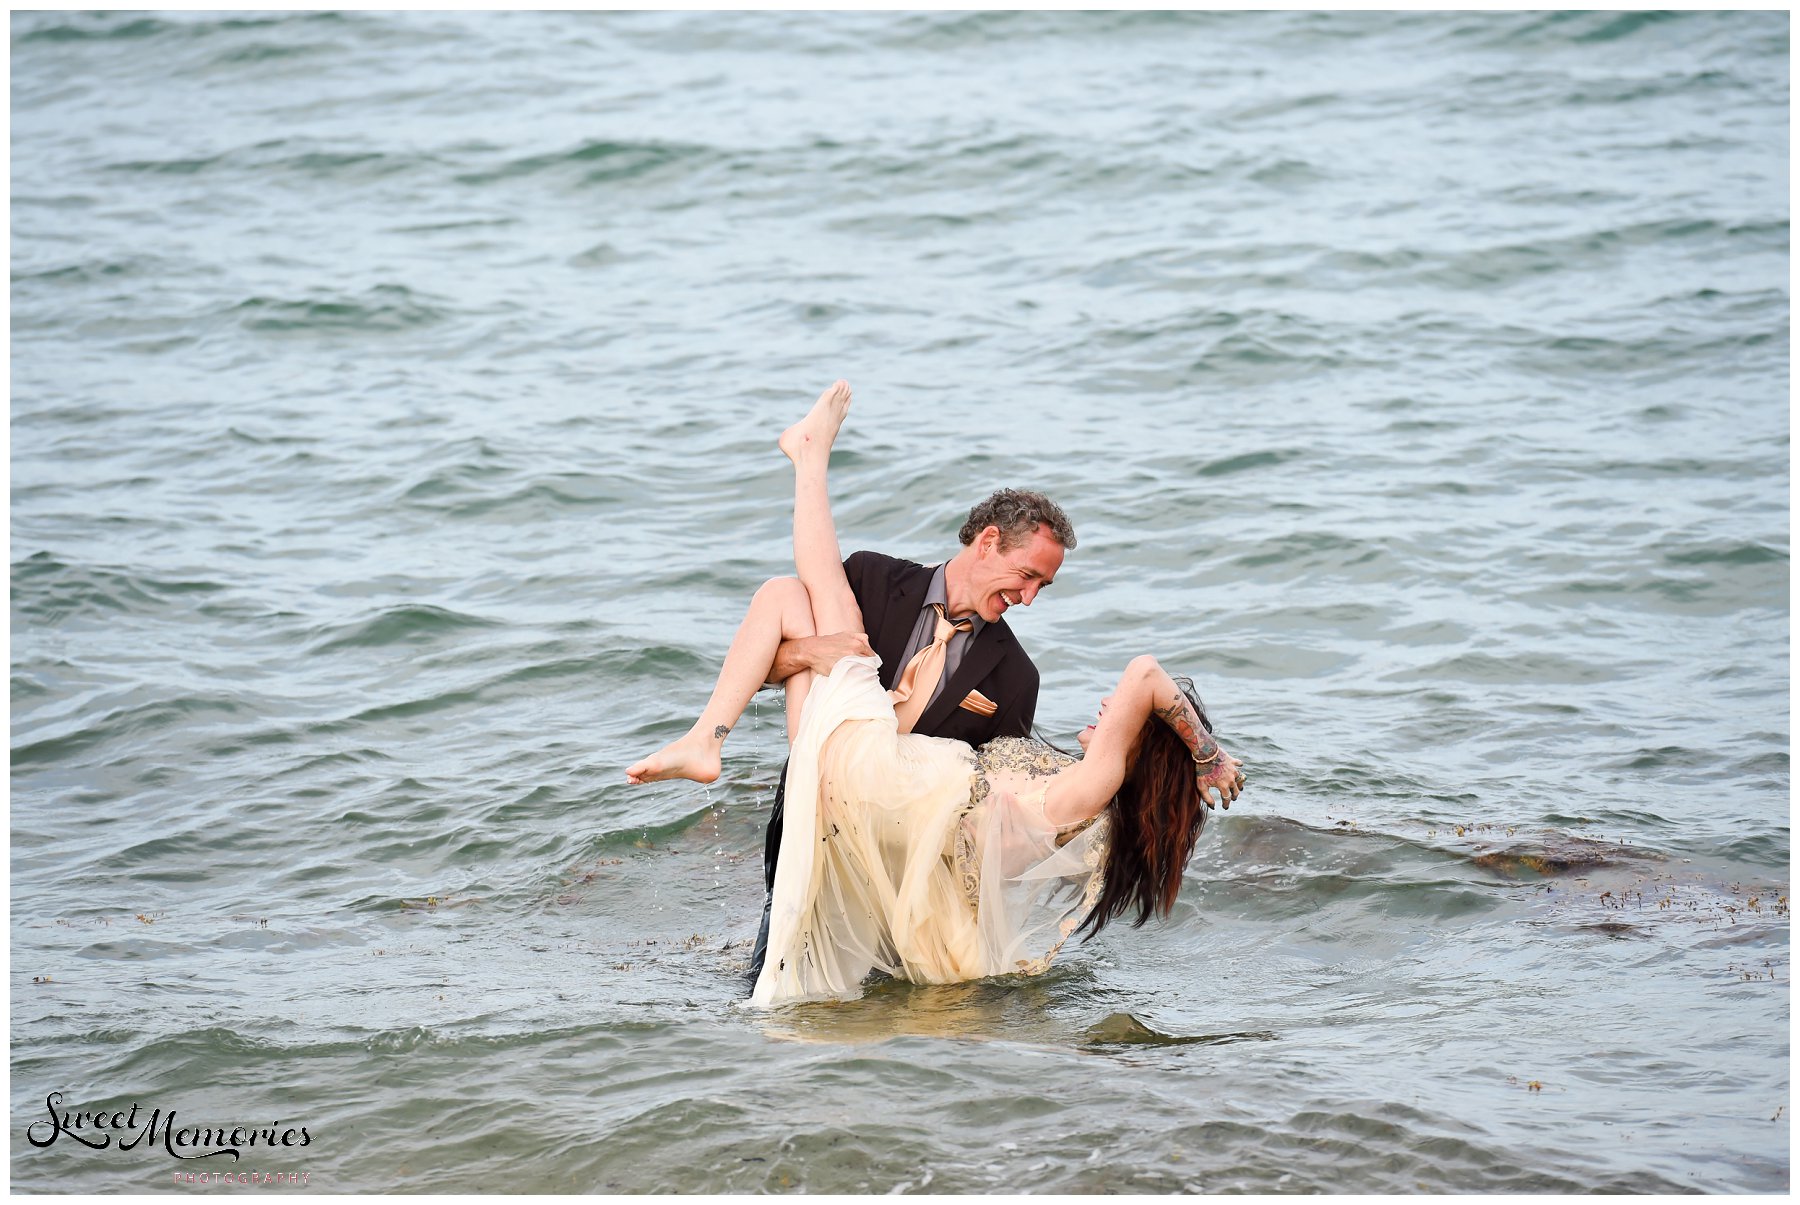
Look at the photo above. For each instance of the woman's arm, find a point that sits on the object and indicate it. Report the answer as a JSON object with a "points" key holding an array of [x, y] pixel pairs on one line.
{"points": [[1080, 791]]}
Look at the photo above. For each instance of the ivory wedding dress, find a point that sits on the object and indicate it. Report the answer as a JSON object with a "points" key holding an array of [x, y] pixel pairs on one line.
{"points": [[916, 855]]}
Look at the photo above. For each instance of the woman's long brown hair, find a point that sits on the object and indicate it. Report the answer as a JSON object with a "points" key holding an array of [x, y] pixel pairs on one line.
{"points": [[1156, 819]]}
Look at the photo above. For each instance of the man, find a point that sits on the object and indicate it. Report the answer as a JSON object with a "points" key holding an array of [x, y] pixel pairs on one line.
{"points": [[985, 684]]}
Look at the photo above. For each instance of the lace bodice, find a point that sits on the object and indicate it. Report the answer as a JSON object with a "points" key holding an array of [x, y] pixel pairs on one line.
{"points": [[1006, 801], [1018, 765]]}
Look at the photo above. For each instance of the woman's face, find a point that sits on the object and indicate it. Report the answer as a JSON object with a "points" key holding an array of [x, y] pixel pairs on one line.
{"points": [[1087, 734]]}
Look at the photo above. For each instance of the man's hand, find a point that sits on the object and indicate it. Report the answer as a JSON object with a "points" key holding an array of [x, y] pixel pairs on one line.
{"points": [[817, 653], [824, 652]]}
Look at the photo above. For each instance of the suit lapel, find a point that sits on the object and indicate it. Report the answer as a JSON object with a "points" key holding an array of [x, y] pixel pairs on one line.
{"points": [[981, 656], [898, 622]]}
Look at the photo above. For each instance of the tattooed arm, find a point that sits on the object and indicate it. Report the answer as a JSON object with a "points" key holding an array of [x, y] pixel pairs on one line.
{"points": [[1214, 769], [1145, 690], [1180, 716]]}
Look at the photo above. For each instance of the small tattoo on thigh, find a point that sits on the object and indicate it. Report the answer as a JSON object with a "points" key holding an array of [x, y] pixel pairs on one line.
{"points": [[719, 732]]}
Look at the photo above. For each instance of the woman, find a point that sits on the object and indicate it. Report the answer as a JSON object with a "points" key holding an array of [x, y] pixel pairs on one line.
{"points": [[922, 857]]}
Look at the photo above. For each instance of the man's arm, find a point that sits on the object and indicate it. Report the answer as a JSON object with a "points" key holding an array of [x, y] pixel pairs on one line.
{"points": [[819, 653], [1015, 719]]}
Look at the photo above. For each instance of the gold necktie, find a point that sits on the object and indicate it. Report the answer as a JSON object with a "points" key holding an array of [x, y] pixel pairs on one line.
{"points": [[920, 677]]}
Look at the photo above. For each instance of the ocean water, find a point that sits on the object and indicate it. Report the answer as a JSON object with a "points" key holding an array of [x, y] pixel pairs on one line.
{"points": [[394, 399]]}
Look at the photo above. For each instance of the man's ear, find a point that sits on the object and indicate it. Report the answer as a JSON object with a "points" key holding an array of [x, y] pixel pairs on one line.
{"points": [[988, 542]]}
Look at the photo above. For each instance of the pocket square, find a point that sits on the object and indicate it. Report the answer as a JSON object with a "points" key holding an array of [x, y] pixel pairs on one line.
{"points": [[978, 703]]}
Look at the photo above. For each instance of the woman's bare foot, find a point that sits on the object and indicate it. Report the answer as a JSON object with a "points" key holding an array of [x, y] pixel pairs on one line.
{"points": [[817, 431], [694, 756]]}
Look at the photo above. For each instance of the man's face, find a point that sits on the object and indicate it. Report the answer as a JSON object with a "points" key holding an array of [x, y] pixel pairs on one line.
{"points": [[999, 580]]}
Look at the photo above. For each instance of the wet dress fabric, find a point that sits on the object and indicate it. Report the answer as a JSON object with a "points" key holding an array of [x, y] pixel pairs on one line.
{"points": [[916, 855]]}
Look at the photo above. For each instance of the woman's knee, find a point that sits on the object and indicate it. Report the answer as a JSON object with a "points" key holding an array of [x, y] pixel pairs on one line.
{"points": [[783, 592], [788, 598]]}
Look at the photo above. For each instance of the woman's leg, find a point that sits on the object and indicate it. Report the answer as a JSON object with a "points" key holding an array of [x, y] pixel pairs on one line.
{"points": [[783, 609], [779, 611], [816, 556]]}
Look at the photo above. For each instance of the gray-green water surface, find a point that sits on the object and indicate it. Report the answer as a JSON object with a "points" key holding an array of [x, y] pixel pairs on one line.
{"points": [[394, 400]]}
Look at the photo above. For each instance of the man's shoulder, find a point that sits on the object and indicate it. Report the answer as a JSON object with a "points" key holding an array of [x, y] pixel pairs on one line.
{"points": [[882, 559], [859, 565]]}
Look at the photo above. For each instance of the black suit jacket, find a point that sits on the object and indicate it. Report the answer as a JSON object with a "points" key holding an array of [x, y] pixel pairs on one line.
{"points": [[890, 592]]}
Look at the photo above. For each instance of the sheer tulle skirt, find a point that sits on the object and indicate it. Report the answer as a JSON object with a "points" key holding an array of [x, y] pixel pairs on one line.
{"points": [[886, 864]]}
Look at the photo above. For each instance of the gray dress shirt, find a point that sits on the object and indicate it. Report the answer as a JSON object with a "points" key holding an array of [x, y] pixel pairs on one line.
{"points": [[926, 628]]}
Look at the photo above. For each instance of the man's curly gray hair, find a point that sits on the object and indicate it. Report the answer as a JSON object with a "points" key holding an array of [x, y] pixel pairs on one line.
{"points": [[1018, 513]]}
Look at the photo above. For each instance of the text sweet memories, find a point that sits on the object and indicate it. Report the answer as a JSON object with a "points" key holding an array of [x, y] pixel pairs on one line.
{"points": [[97, 1128]]}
